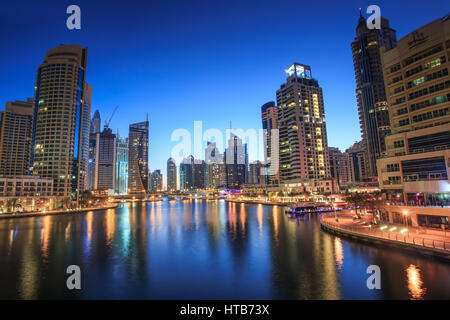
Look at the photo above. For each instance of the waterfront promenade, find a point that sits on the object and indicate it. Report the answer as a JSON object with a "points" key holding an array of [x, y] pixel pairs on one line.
{"points": [[55, 212], [412, 238]]}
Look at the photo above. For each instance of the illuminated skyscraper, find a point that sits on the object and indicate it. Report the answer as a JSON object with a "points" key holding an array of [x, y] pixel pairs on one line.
{"points": [[138, 158], [61, 122], [121, 184], [303, 146], [236, 160], [370, 91], [171, 175], [16, 130], [156, 181], [269, 117], [215, 168]]}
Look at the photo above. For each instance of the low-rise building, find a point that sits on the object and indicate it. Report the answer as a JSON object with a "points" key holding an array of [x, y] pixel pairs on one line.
{"points": [[29, 193]]}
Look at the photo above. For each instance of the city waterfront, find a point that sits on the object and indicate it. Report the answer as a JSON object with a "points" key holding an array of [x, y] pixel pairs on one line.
{"points": [[203, 250]]}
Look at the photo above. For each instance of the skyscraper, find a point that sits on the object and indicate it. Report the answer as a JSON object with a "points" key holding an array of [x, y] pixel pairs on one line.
{"points": [[269, 117], [303, 146], [96, 123], [16, 131], [215, 168], [236, 157], [121, 184], [187, 174], [192, 174], [156, 181], [138, 158], [171, 175], [61, 121], [105, 157], [255, 176], [370, 91], [339, 167]]}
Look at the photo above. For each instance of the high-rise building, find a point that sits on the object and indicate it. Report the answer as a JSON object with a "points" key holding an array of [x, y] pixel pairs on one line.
{"points": [[171, 175], [199, 174], [339, 167], [16, 132], [303, 146], [105, 168], [156, 181], [138, 158], [215, 168], [121, 184], [61, 120], [417, 162], [192, 174], [96, 123], [269, 117], [187, 174], [255, 176], [370, 91], [92, 159], [357, 171], [236, 163]]}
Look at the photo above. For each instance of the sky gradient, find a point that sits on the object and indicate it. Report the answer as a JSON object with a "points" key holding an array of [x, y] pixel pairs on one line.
{"points": [[213, 60]]}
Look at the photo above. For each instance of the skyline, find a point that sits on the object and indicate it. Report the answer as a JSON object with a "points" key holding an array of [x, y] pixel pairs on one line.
{"points": [[176, 87]]}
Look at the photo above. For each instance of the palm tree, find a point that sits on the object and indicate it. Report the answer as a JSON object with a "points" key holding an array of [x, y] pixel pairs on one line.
{"points": [[66, 203], [86, 198], [357, 200], [375, 202], [13, 204]]}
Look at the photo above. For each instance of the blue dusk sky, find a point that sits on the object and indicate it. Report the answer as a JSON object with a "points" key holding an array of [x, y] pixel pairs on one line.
{"points": [[214, 61]]}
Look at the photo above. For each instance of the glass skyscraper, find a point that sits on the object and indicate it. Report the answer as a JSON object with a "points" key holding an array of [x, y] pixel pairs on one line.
{"points": [[121, 185]]}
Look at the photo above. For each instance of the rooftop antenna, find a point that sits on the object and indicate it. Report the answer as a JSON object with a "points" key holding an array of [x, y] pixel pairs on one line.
{"points": [[147, 116]]}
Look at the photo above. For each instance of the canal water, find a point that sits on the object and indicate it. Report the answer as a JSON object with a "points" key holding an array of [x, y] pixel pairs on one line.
{"points": [[202, 250]]}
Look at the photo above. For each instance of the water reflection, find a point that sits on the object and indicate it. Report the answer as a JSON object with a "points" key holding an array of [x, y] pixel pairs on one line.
{"points": [[415, 283], [199, 249], [339, 252]]}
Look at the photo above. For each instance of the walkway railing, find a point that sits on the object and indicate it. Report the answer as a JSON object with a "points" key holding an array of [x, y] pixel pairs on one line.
{"points": [[388, 235]]}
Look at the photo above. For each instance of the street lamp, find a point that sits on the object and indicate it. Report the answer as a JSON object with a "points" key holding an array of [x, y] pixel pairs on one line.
{"points": [[405, 213]]}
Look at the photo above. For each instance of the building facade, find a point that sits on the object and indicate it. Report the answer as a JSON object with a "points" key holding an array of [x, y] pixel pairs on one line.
{"points": [[106, 160], [255, 176], [269, 117], [215, 168], [236, 163], [171, 175], [121, 184], [303, 145], [26, 193], [16, 133], [416, 167], [156, 181], [370, 91], [138, 181], [61, 122]]}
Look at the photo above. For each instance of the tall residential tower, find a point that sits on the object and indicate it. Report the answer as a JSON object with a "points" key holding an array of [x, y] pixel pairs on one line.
{"points": [[61, 121], [370, 91], [303, 145], [138, 181]]}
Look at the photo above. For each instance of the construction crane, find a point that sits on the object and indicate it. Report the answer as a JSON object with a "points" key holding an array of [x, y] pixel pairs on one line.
{"points": [[112, 115]]}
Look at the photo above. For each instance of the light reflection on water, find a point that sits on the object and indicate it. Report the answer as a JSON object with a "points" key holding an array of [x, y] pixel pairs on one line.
{"points": [[202, 249]]}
